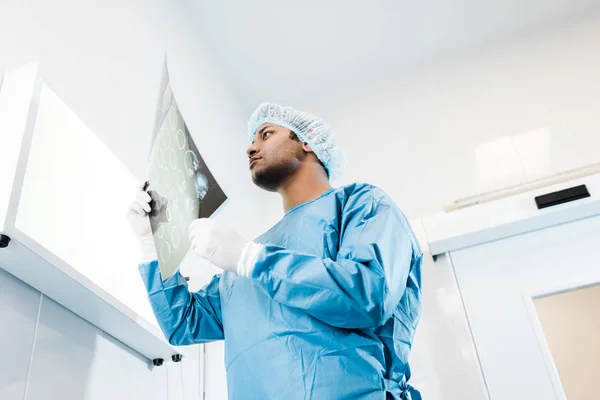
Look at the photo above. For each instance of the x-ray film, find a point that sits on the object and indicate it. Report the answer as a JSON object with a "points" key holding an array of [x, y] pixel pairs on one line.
{"points": [[179, 182]]}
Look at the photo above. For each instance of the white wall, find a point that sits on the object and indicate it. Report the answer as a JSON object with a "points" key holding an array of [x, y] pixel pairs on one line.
{"points": [[50, 353], [501, 115]]}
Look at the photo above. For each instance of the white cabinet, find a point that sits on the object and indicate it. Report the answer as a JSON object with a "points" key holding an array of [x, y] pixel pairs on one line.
{"points": [[499, 282], [514, 279]]}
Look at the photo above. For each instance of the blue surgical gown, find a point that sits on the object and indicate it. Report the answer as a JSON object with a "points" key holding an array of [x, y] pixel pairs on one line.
{"points": [[329, 311]]}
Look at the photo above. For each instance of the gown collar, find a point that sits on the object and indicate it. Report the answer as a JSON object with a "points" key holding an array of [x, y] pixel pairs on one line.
{"points": [[310, 201]]}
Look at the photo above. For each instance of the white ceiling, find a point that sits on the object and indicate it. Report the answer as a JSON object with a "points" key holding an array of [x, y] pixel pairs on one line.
{"points": [[294, 52]]}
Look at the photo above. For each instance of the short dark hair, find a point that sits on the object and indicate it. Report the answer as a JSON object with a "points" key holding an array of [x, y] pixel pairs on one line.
{"points": [[295, 137]]}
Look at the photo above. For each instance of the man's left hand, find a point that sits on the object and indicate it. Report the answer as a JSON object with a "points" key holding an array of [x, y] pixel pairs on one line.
{"points": [[217, 243], [222, 246]]}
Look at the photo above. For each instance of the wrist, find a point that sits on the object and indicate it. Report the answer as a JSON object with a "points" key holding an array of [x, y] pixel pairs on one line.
{"points": [[249, 258], [147, 248]]}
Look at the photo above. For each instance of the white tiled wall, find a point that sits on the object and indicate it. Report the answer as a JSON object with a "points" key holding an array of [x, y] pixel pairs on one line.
{"points": [[18, 312], [49, 353]]}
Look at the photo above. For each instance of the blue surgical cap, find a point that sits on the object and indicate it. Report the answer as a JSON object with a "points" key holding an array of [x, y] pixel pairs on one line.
{"points": [[309, 129]]}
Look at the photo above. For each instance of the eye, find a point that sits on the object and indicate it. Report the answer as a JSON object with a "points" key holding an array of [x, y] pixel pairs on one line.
{"points": [[266, 134]]}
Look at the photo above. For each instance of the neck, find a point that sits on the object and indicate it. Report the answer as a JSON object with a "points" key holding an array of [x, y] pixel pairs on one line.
{"points": [[306, 184]]}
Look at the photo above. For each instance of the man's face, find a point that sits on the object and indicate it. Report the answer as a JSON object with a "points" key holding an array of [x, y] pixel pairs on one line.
{"points": [[274, 156]]}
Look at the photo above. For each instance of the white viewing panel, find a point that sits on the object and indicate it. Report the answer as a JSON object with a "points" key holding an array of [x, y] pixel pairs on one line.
{"points": [[63, 203]]}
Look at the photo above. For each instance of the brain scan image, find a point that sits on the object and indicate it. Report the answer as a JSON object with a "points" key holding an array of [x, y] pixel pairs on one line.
{"points": [[201, 183], [180, 184]]}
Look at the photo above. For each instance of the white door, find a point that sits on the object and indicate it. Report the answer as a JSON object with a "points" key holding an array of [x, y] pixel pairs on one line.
{"points": [[515, 293]]}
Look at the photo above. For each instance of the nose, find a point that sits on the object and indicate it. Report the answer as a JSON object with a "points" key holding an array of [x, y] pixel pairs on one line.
{"points": [[252, 150]]}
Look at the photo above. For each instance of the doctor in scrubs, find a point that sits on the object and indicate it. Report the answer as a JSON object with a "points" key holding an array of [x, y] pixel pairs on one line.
{"points": [[325, 304]]}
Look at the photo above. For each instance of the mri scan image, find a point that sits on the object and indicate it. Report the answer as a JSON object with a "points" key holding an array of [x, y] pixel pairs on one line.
{"points": [[179, 182]]}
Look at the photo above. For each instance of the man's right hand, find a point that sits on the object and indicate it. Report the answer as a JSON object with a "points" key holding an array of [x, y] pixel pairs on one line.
{"points": [[137, 214]]}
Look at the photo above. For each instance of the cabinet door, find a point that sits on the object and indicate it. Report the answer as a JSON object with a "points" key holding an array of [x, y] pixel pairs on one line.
{"points": [[532, 306]]}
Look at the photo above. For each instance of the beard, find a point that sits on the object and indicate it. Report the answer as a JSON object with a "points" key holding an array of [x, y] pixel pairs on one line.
{"points": [[272, 175]]}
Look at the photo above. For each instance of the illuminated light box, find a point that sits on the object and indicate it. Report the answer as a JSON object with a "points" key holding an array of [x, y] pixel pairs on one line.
{"points": [[63, 202]]}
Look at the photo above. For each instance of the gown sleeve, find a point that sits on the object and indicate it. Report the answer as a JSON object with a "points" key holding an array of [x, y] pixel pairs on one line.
{"points": [[363, 285], [184, 317]]}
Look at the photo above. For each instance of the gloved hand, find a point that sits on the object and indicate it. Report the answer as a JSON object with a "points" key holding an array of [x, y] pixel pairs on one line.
{"points": [[137, 214], [224, 247]]}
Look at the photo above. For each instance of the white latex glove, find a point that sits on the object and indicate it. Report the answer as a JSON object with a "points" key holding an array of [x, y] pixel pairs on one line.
{"points": [[224, 247], [137, 214]]}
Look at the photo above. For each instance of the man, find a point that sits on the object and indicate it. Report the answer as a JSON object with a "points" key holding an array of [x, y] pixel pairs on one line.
{"points": [[325, 304]]}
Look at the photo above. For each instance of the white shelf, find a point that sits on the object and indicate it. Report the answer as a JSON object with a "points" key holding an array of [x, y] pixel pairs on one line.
{"points": [[507, 217]]}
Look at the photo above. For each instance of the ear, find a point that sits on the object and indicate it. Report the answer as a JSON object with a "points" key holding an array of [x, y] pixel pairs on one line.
{"points": [[306, 147]]}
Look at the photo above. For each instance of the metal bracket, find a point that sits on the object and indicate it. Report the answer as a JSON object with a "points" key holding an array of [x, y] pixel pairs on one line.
{"points": [[157, 362], [4, 241]]}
